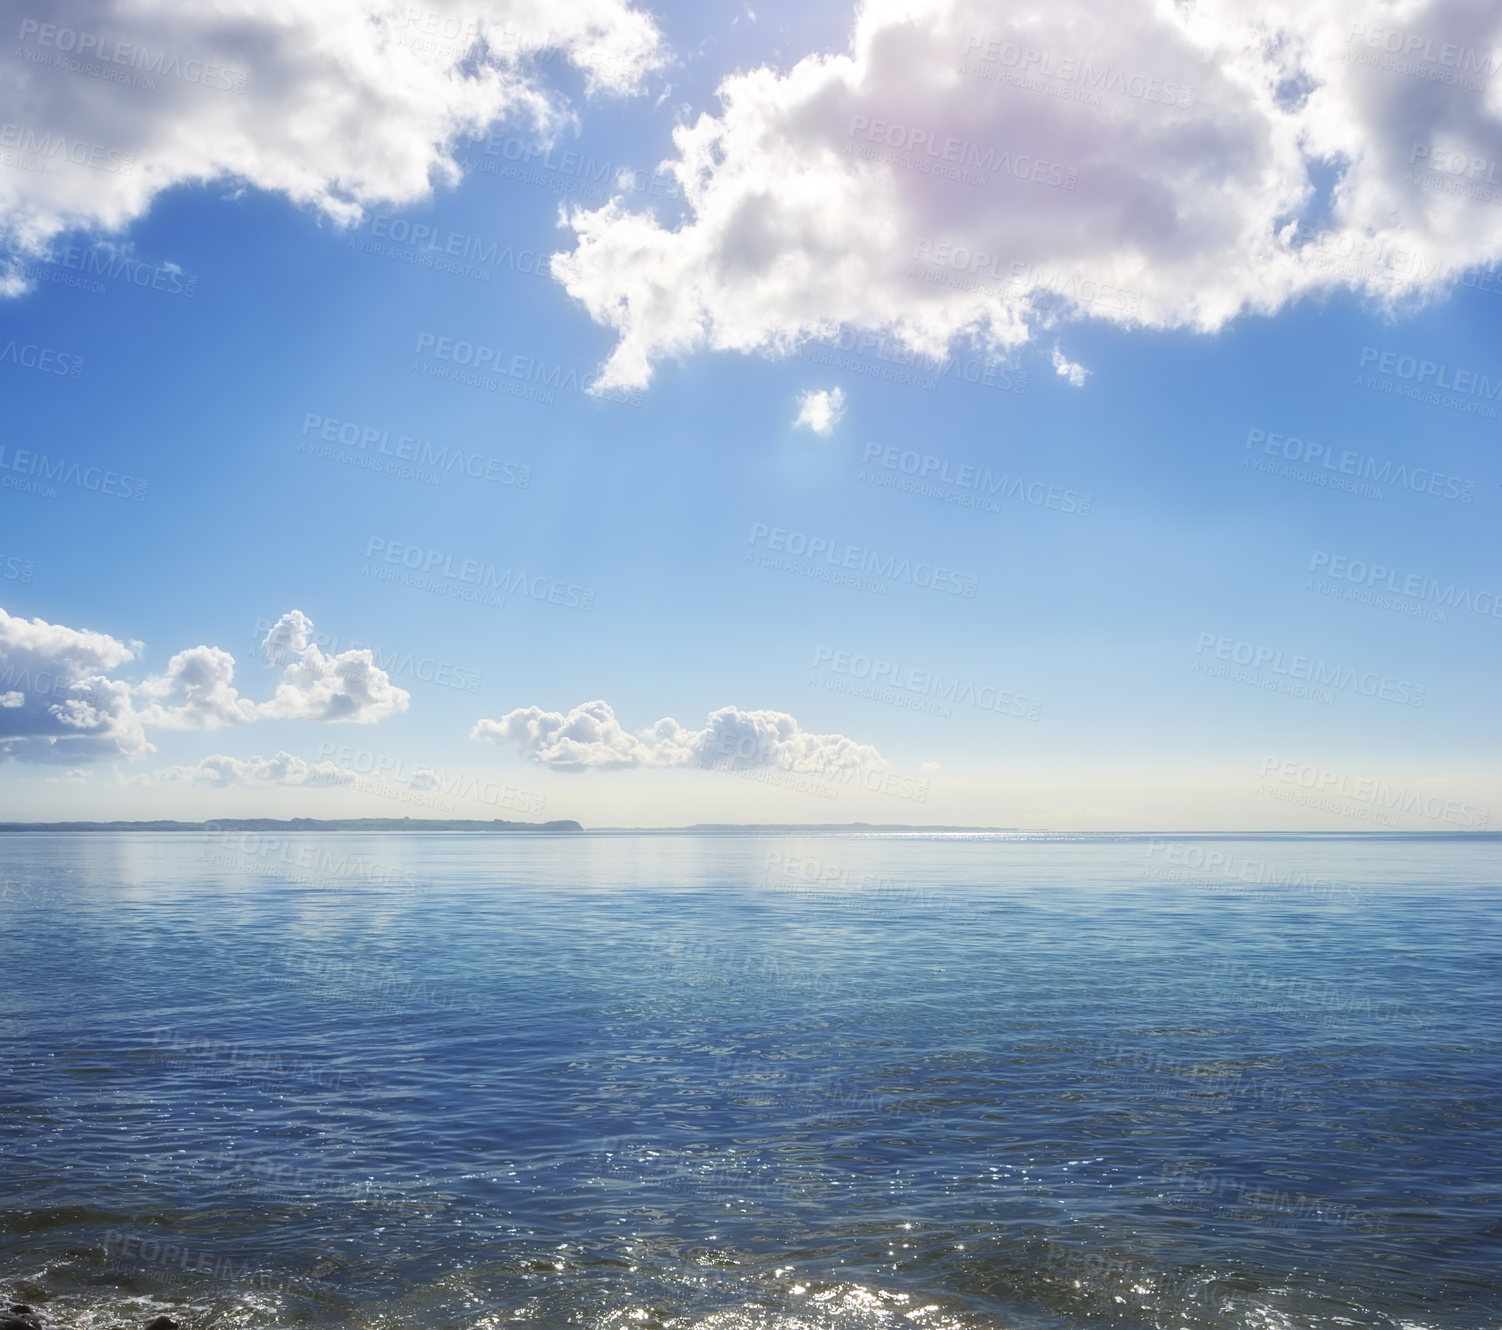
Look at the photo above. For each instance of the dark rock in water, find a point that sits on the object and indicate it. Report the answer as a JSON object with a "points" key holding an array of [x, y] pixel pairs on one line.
{"points": [[20, 1317], [163, 1323]]}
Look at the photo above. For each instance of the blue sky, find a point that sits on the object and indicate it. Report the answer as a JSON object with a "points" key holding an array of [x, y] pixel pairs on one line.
{"points": [[1122, 661]]}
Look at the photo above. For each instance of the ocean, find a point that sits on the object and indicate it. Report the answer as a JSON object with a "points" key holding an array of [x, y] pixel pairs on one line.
{"points": [[739, 1081]]}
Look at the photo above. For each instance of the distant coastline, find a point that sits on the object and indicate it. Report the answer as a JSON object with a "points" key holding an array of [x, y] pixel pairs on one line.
{"points": [[305, 824], [567, 826], [564, 825], [809, 828]]}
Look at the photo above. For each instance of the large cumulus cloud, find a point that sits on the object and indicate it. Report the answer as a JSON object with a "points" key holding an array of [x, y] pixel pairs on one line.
{"points": [[59, 703], [968, 172], [336, 105], [196, 692], [347, 686]]}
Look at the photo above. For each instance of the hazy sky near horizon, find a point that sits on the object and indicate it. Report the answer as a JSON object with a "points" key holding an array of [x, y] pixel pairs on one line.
{"points": [[1075, 415]]}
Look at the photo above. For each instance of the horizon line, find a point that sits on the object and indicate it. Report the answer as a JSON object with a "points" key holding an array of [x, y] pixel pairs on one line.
{"points": [[571, 827]]}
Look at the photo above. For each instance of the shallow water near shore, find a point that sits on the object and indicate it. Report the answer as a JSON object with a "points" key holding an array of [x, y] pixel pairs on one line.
{"points": [[752, 1081]]}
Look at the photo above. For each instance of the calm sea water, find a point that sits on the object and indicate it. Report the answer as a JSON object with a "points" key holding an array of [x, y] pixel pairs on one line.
{"points": [[752, 1081]]}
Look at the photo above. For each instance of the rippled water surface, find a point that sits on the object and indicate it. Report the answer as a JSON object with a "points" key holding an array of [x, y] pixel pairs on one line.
{"points": [[751, 1081]]}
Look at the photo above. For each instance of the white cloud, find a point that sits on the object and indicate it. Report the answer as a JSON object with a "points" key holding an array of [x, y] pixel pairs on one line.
{"points": [[59, 703], [287, 638], [820, 410], [224, 772], [967, 172], [746, 739], [1067, 369], [196, 692], [336, 105], [70, 710], [590, 737], [348, 686]]}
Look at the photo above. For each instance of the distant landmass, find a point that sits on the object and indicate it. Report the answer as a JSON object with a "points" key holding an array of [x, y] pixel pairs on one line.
{"points": [[497, 825], [302, 824], [788, 828]]}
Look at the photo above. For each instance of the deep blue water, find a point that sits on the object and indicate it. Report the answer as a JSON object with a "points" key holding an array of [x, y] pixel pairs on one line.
{"points": [[752, 1081]]}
